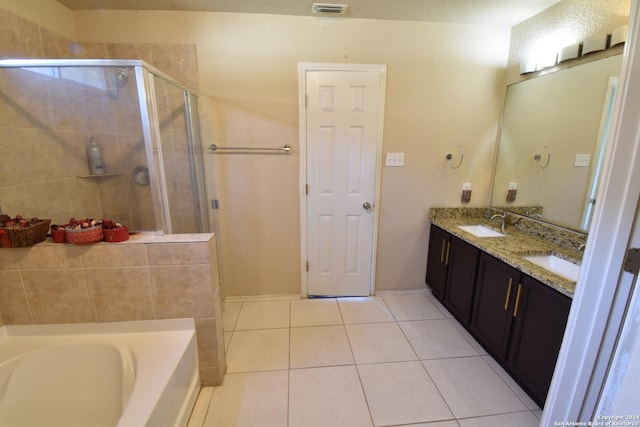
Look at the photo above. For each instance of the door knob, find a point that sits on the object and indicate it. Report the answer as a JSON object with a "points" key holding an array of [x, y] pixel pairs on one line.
{"points": [[366, 205]]}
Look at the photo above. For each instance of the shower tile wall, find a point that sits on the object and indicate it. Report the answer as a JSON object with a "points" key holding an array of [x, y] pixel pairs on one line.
{"points": [[45, 137], [20, 38]]}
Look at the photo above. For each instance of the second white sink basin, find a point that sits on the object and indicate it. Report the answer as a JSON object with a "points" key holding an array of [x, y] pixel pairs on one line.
{"points": [[556, 265], [480, 230]]}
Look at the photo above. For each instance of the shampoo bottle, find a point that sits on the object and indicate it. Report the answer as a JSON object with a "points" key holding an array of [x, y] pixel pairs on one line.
{"points": [[94, 154]]}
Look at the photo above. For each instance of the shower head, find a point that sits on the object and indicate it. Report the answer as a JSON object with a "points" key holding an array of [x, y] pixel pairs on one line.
{"points": [[119, 79]]}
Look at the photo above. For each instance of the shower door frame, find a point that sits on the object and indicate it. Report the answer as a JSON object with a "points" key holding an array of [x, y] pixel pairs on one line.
{"points": [[151, 131]]}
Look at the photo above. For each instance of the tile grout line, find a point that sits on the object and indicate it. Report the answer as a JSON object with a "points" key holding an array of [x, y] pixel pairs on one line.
{"points": [[506, 383], [421, 362], [356, 364], [429, 375]]}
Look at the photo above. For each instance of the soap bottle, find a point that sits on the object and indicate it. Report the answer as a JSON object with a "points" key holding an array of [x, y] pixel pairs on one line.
{"points": [[94, 154]]}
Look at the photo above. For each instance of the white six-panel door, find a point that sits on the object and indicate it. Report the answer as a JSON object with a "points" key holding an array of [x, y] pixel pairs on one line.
{"points": [[343, 113]]}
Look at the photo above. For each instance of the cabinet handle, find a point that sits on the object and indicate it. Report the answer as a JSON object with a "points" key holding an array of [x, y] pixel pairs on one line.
{"points": [[506, 300], [446, 261], [442, 252], [515, 309]]}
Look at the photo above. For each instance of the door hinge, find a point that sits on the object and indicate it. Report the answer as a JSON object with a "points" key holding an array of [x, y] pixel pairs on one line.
{"points": [[215, 204], [307, 266], [632, 261], [306, 189], [306, 100]]}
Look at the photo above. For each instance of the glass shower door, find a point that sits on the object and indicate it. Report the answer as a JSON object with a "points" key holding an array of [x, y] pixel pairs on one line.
{"points": [[179, 151]]}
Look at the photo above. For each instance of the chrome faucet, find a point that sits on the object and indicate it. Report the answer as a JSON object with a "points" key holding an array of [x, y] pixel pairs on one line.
{"points": [[503, 220]]}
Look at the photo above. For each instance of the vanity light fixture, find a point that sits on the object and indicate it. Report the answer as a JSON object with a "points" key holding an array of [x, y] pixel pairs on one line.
{"points": [[594, 44], [528, 66], [619, 36], [450, 156], [569, 52], [547, 60]]}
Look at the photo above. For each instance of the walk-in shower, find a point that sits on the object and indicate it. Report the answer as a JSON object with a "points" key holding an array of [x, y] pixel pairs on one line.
{"points": [[147, 125]]}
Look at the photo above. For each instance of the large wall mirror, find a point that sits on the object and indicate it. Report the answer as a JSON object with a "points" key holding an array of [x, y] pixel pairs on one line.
{"points": [[553, 134]]}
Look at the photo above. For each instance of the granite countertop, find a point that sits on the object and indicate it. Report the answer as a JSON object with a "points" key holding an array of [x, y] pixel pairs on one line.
{"points": [[511, 248]]}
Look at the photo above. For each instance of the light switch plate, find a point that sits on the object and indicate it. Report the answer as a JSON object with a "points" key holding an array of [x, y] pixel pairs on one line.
{"points": [[394, 159], [582, 160], [513, 186], [466, 186]]}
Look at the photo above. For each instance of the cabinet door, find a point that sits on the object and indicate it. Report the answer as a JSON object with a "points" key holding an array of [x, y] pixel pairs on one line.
{"points": [[493, 304], [461, 276], [438, 255], [540, 320]]}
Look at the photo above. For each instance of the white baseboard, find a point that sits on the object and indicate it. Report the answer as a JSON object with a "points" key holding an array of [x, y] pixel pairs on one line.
{"points": [[283, 297], [250, 298], [404, 292]]}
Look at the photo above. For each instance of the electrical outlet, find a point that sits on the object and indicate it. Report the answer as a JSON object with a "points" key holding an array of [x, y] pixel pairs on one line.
{"points": [[466, 186], [394, 159], [513, 186], [582, 160]]}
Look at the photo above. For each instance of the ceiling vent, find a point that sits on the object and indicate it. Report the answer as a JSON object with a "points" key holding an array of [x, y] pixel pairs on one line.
{"points": [[329, 8]]}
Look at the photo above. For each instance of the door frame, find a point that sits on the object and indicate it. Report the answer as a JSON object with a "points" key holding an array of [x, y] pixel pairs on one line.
{"points": [[303, 68]]}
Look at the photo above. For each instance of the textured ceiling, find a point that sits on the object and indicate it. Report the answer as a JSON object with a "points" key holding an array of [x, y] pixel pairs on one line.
{"points": [[485, 12]]}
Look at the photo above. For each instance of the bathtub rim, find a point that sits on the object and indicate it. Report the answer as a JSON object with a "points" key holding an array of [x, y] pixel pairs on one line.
{"points": [[92, 328]]}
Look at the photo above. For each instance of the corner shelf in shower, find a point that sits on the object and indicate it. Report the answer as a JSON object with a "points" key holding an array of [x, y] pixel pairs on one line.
{"points": [[103, 175]]}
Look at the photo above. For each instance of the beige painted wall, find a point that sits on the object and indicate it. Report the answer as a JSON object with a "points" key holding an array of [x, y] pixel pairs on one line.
{"points": [[445, 88]]}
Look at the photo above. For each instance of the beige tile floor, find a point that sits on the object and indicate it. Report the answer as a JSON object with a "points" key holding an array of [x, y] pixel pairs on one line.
{"points": [[398, 360]]}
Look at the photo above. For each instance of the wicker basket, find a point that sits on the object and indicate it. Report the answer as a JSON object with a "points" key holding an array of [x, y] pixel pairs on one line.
{"points": [[116, 235], [22, 237], [82, 236]]}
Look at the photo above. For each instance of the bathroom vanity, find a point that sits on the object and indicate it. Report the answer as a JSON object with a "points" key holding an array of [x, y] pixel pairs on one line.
{"points": [[512, 288], [515, 308]]}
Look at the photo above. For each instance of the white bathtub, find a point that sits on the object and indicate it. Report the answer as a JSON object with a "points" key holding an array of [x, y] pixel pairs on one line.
{"points": [[123, 374]]}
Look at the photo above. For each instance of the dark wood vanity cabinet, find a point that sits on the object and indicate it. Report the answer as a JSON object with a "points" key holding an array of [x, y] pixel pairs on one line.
{"points": [[461, 277], [437, 261], [519, 320], [491, 321], [538, 328], [451, 272]]}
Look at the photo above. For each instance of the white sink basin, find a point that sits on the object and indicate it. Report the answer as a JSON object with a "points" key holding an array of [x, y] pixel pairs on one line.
{"points": [[556, 265], [480, 231]]}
